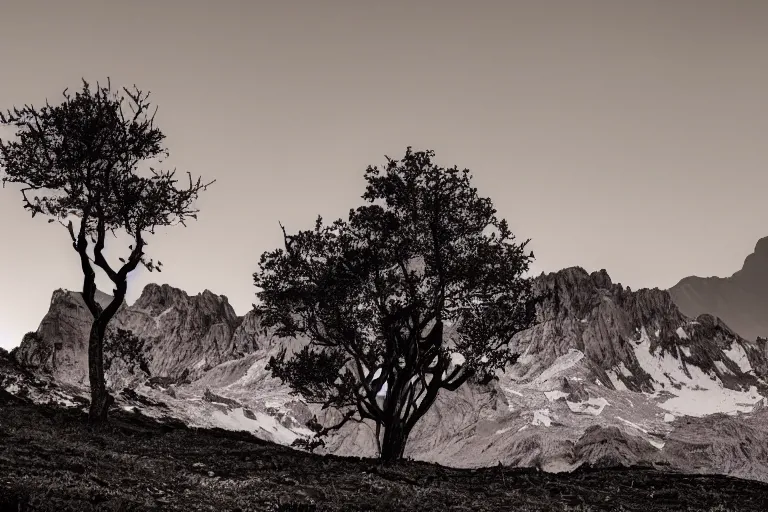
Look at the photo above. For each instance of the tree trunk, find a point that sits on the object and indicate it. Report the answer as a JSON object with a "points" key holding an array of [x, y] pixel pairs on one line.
{"points": [[101, 400], [393, 445]]}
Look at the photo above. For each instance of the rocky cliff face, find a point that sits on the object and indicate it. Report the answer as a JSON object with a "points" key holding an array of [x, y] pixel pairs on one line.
{"points": [[741, 300], [606, 376], [185, 335], [634, 340], [60, 347], [188, 335]]}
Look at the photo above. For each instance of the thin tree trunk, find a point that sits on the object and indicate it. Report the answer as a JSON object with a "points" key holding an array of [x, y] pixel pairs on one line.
{"points": [[101, 400]]}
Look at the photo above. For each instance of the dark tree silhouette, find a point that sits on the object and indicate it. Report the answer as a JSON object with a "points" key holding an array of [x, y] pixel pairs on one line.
{"points": [[125, 346], [424, 271], [81, 159]]}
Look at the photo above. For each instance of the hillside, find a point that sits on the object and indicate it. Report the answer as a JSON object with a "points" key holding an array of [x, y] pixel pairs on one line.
{"points": [[51, 461], [606, 376]]}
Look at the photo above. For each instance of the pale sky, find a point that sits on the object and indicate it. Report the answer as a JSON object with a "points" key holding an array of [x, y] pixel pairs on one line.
{"points": [[625, 135]]}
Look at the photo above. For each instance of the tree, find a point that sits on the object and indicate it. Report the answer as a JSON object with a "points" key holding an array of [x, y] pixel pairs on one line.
{"points": [[375, 296], [125, 346], [82, 158]]}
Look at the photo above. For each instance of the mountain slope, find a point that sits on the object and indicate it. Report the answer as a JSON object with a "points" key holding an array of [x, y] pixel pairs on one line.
{"points": [[606, 376], [603, 377], [741, 300], [50, 460]]}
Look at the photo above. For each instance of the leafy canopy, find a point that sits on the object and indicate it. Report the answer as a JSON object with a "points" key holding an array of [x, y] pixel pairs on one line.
{"points": [[374, 294], [81, 158], [125, 347]]}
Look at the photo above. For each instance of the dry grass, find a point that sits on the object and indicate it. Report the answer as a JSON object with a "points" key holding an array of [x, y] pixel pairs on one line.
{"points": [[51, 460]]}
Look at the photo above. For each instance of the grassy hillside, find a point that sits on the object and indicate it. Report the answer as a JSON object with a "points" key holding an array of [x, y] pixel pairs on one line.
{"points": [[51, 460]]}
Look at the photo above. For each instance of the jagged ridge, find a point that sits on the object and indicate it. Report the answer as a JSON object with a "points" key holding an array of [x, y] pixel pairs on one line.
{"points": [[590, 385], [186, 335]]}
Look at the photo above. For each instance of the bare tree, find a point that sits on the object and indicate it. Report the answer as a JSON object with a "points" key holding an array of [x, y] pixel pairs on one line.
{"points": [[81, 159]]}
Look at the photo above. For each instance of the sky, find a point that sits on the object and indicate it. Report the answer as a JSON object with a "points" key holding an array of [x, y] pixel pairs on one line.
{"points": [[625, 135]]}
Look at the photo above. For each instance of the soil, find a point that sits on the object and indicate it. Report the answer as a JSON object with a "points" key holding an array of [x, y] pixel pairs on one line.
{"points": [[51, 460]]}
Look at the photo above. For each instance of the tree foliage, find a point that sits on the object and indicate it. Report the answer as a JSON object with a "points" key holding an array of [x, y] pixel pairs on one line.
{"points": [[81, 159], [125, 346], [424, 271]]}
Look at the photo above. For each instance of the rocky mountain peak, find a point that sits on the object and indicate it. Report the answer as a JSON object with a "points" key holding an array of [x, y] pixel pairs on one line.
{"points": [[755, 268], [601, 279], [66, 296], [740, 300], [618, 333], [573, 292], [160, 297], [762, 247], [185, 335]]}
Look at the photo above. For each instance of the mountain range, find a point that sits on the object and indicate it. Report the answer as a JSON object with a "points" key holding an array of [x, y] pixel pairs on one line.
{"points": [[607, 376]]}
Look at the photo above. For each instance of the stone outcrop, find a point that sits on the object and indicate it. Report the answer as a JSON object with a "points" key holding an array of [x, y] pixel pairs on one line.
{"points": [[617, 329], [60, 344], [611, 447], [187, 335], [184, 335], [736, 445], [250, 336]]}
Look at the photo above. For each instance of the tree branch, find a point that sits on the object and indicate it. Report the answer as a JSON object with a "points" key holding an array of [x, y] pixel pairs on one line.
{"points": [[349, 416], [99, 247], [89, 276]]}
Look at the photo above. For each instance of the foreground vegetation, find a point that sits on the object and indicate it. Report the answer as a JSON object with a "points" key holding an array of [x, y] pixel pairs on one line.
{"points": [[81, 158], [377, 294], [50, 459]]}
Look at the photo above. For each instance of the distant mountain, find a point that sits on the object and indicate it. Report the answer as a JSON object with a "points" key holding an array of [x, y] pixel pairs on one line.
{"points": [[741, 301], [606, 376]]}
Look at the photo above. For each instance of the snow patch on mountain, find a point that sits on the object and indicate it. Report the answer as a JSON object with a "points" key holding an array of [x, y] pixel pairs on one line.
{"points": [[624, 370], [694, 392], [541, 417], [618, 384], [738, 355], [593, 406], [716, 399], [555, 395], [631, 424], [255, 422], [722, 368], [665, 369], [560, 365]]}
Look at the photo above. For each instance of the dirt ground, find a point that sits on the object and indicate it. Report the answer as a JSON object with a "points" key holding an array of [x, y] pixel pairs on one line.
{"points": [[51, 460]]}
